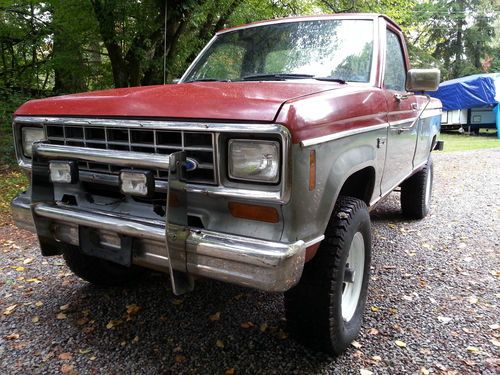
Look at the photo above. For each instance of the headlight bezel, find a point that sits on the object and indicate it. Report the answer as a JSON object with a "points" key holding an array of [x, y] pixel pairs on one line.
{"points": [[276, 180]]}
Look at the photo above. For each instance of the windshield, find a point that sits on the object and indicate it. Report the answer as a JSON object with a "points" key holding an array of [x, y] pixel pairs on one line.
{"points": [[337, 49]]}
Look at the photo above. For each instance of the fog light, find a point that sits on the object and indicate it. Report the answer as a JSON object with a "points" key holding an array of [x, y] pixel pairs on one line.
{"points": [[63, 172], [137, 183]]}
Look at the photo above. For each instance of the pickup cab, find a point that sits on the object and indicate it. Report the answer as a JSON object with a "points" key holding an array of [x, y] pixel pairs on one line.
{"points": [[259, 167]]}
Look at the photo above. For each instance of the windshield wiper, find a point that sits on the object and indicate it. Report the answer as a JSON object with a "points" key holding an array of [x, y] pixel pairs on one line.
{"points": [[207, 80], [285, 76], [276, 77], [330, 79]]}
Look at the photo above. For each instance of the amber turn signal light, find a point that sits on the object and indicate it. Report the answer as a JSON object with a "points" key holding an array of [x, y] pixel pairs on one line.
{"points": [[312, 170], [254, 212]]}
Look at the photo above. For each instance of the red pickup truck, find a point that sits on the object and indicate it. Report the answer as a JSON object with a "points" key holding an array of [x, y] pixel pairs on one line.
{"points": [[258, 168]]}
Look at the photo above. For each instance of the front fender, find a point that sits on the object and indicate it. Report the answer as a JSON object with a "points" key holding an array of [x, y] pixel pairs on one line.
{"points": [[308, 212]]}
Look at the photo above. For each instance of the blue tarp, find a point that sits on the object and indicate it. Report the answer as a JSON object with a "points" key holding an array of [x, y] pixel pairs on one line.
{"points": [[479, 90]]}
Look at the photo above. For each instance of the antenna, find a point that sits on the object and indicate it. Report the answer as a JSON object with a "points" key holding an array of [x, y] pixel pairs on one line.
{"points": [[165, 46]]}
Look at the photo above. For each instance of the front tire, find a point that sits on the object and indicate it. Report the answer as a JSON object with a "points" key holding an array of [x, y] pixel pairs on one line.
{"points": [[98, 271], [325, 309], [416, 193]]}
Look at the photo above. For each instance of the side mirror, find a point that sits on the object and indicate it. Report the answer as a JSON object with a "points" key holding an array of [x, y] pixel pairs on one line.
{"points": [[422, 79]]}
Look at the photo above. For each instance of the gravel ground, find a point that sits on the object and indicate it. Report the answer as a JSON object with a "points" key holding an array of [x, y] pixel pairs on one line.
{"points": [[434, 291]]}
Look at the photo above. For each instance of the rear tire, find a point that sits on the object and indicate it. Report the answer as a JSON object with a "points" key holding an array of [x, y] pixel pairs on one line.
{"points": [[416, 193], [325, 309], [99, 271]]}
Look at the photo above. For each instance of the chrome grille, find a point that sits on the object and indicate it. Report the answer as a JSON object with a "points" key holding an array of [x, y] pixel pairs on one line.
{"points": [[197, 145]]}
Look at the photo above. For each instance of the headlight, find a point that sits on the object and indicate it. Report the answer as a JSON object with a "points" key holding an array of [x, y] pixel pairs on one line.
{"points": [[30, 135], [252, 160]]}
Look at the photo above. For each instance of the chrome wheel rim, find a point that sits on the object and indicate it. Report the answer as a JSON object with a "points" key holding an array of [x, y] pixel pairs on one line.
{"points": [[353, 276], [428, 187]]}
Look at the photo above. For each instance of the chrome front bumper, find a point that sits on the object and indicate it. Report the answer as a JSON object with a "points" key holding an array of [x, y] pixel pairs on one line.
{"points": [[265, 265]]}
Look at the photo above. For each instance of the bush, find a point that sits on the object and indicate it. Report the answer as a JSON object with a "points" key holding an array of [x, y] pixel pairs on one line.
{"points": [[10, 100]]}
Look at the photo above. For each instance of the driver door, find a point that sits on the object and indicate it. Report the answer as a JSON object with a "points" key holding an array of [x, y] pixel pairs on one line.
{"points": [[402, 114]]}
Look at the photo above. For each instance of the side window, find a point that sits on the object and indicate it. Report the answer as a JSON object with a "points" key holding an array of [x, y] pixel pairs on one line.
{"points": [[395, 72]]}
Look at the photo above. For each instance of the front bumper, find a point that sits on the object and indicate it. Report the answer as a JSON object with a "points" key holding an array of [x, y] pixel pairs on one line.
{"points": [[265, 265]]}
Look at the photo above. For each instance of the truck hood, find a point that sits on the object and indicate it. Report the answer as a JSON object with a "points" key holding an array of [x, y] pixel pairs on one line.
{"points": [[233, 101]]}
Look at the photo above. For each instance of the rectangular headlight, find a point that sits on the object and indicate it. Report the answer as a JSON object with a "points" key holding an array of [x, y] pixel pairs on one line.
{"points": [[134, 182], [29, 136], [254, 160]]}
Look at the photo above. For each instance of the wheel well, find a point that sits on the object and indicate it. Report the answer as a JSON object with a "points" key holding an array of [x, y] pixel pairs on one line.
{"points": [[360, 185]]}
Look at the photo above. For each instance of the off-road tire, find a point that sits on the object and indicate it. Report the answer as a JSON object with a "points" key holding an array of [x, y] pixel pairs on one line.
{"points": [[98, 271], [416, 193], [314, 306]]}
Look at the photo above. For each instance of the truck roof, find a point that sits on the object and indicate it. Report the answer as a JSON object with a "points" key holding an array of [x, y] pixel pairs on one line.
{"points": [[370, 16]]}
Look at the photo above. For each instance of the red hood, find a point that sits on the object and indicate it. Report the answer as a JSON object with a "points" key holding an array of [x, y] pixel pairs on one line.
{"points": [[236, 101]]}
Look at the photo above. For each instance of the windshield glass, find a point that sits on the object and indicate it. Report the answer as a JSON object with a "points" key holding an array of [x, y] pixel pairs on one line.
{"points": [[340, 49]]}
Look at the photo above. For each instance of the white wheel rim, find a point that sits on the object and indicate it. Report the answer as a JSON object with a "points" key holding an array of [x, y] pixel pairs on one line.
{"points": [[428, 186], [355, 266]]}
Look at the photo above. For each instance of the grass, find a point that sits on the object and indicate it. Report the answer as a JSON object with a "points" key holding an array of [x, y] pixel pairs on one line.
{"points": [[12, 182], [463, 142]]}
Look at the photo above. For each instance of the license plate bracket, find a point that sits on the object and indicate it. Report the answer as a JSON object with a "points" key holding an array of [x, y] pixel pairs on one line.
{"points": [[90, 244]]}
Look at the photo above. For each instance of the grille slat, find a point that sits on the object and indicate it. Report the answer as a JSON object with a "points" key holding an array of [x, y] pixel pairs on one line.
{"points": [[198, 145]]}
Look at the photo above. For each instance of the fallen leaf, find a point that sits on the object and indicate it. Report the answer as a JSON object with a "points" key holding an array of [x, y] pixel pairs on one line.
{"points": [[219, 344], [472, 349], [9, 309], [373, 331], [179, 358], [495, 326], [133, 309], [35, 319], [85, 351], [400, 343], [247, 325], [38, 303], [67, 368], [64, 307], [135, 340], [113, 323], [61, 316], [82, 321], [424, 371], [444, 319], [393, 310], [391, 225], [18, 268], [375, 308], [12, 336], [282, 335], [34, 280], [263, 327], [177, 301], [365, 372], [215, 316], [65, 356], [495, 273], [356, 344], [472, 299], [230, 371], [495, 342], [377, 358], [27, 261], [426, 246]]}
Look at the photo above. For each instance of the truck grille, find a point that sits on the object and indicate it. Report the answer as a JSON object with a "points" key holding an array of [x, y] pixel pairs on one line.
{"points": [[197, 145]]}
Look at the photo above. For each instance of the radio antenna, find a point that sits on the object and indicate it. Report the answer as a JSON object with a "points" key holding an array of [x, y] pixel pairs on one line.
{"points": [[165, 46]]}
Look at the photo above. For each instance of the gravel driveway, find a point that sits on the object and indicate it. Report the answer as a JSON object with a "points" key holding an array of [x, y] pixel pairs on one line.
{"points": [[432, 304]]}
